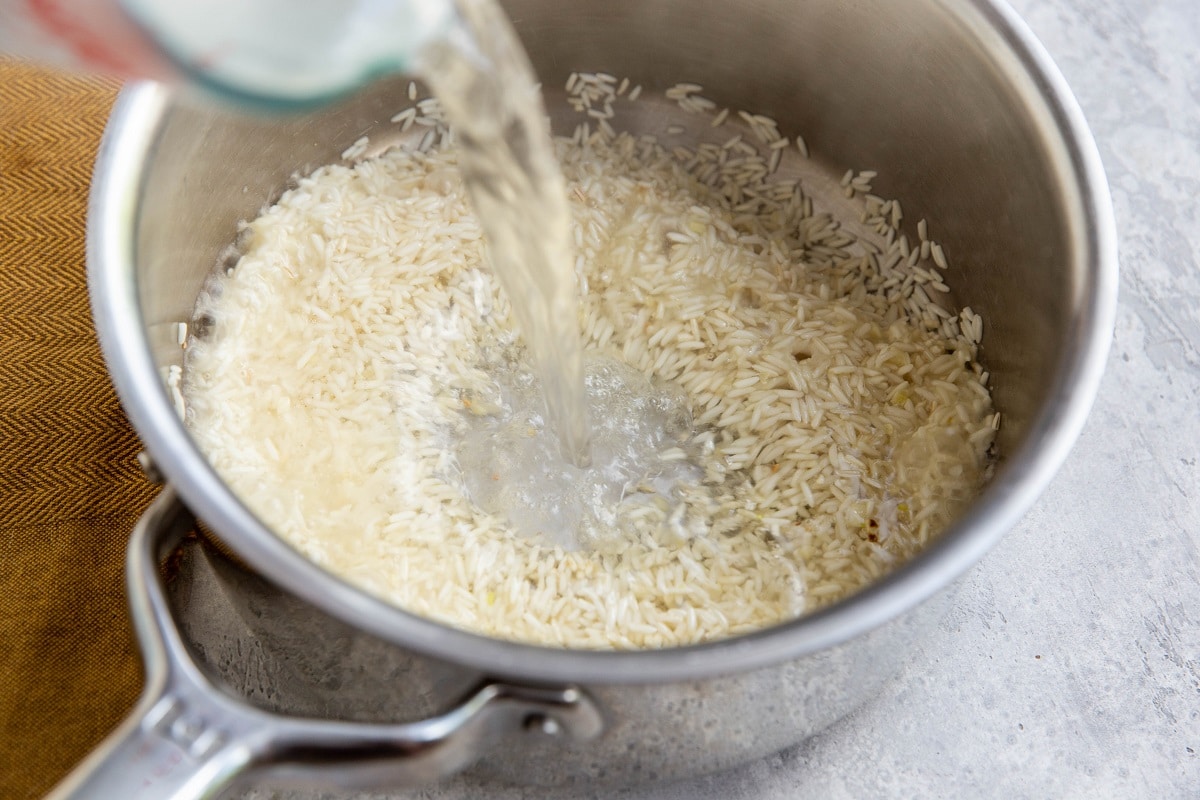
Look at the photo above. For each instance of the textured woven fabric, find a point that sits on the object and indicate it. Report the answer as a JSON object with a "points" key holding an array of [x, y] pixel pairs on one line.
{"points": [[70, 488]]}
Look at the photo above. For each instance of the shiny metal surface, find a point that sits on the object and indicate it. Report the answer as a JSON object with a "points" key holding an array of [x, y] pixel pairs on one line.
{"points": [[295, 659], [966, 121], [188, 739]]}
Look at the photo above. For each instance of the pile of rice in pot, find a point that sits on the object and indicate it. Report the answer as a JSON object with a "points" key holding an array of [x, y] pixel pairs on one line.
{"points": [[847, 417]]}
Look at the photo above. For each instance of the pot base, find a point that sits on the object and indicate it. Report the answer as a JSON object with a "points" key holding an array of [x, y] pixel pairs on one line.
{"points": [[291, 658]]}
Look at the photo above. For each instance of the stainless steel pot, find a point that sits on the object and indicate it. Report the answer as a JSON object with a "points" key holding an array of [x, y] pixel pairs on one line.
{"points": [[968, 123]]}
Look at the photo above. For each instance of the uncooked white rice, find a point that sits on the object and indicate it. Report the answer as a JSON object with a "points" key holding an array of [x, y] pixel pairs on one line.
{"points": [[356, 150], [847, 414]]}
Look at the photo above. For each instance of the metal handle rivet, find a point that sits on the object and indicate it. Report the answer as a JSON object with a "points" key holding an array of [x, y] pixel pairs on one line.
{"points": [[540, 723]]}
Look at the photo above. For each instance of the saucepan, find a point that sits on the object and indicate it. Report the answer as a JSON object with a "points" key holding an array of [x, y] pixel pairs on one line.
{"points": [[966, 120]]}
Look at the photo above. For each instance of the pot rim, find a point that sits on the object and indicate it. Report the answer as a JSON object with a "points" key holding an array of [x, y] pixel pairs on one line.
{"points": [[111, 251]]}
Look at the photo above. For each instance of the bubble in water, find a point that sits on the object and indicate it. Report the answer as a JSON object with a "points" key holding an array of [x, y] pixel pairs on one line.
{"points": [[644, 453]]}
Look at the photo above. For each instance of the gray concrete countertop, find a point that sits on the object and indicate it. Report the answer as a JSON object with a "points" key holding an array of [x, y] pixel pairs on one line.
{"points": [[1072, 665]]}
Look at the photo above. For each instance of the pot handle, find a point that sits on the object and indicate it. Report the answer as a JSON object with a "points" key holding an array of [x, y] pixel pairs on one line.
{"points": [[187, 739]]}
